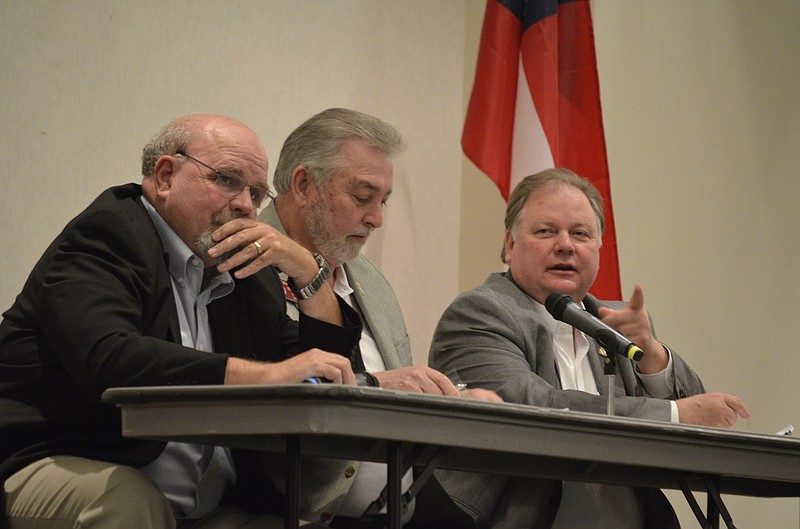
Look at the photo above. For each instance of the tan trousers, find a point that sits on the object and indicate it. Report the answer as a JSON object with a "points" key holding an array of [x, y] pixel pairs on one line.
{"points": [[65, 492]]}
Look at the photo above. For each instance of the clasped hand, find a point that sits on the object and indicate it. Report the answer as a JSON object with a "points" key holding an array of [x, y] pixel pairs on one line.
{"points": [[274, 248]]}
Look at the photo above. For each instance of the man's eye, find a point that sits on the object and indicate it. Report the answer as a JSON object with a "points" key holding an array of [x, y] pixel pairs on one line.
{"points": [[227, 180]]}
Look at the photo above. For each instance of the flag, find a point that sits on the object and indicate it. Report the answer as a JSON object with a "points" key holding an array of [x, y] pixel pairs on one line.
{"points": [[535, 105]]}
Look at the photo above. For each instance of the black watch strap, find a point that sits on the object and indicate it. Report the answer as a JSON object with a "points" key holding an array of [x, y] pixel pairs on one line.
{"points": [[367, 379]]}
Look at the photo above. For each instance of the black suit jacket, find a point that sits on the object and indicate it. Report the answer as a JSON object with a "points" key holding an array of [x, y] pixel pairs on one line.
{"points": [[98, 311]]}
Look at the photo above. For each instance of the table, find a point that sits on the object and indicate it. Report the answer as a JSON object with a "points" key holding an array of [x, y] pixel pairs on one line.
{"points": [[404, 429]]}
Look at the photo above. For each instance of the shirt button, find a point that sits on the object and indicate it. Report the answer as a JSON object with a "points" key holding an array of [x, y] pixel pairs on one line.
{"points": [[348, 473]]}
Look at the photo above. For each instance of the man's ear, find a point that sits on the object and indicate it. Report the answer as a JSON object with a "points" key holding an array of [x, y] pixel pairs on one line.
{"points": [[164, 171], [302, 187], [508, 243]]}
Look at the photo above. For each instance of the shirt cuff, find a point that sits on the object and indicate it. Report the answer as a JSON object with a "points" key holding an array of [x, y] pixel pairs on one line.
{"points": [[674, 417], [660, 385]]}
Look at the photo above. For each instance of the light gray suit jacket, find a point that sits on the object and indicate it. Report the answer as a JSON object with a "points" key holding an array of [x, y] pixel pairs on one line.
{"points": [[378, 306], [494, 337]]}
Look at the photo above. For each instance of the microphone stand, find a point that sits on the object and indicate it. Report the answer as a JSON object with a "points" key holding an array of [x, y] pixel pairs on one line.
{"points": [[610, 371]]}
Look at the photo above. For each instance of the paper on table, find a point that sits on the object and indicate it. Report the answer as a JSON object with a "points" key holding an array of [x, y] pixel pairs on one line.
{"points": [[787, 430]]}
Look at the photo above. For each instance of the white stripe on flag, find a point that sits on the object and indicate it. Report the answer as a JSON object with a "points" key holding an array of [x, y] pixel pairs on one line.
{"points": [[530, 151]]}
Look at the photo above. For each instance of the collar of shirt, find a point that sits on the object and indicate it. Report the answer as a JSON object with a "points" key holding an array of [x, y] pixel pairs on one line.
{"points": [[341, 285]]}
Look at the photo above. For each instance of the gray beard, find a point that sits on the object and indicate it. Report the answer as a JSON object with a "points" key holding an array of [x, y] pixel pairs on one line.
{"points": [[318, 221]]}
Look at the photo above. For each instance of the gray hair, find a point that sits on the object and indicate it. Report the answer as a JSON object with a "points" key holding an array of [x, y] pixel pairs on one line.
{"points": [[550, 178], [317, 143], [169, 140]]}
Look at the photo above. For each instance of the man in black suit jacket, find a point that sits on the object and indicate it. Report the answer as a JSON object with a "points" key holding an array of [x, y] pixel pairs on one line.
{"points": [[170, 282]]}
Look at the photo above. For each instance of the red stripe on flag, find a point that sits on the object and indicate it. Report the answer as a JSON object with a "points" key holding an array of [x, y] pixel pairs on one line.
{"points": [[560, 69], [489, 125]]}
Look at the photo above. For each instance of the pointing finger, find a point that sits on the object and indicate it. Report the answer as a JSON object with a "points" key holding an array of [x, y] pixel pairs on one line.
{"points": [[637, 299]]}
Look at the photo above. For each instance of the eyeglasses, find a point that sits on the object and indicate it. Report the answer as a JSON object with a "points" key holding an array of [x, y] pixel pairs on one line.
{"points": [[232, 184]]}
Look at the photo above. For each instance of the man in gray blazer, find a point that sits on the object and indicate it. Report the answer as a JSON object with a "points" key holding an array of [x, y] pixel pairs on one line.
{"points": [[500, 336], [333, 177]]}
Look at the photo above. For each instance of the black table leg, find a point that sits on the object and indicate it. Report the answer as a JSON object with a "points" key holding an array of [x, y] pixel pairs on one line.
{"points": [[716, 507], [292, 520], [394, 484]]}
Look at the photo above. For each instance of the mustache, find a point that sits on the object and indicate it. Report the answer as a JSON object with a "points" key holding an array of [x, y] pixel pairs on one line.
{"points": [[205, 242], [221, 217], [366, 232]]}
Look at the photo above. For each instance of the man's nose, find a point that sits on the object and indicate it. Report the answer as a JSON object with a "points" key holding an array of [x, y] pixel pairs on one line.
{"points": [[374, 217], [243, 202], [564, 243]]}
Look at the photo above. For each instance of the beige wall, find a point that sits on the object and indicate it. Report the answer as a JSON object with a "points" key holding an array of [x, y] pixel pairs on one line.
{"points": [[701, 113]]}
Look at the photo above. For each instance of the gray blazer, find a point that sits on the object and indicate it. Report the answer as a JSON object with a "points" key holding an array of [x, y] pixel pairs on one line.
{"points": [[327, 481], [494, 337]]}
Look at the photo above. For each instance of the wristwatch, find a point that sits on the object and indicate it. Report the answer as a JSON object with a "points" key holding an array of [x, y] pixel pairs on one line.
{"points": [[319, 280]]}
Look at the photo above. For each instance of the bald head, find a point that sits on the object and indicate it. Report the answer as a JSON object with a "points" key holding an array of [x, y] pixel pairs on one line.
{"points": [[177, 136]]}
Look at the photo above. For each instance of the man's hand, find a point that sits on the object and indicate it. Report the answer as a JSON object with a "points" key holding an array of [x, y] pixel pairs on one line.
{"points": [[312, 363], [417, 379], [481, 394], [634, 322], [712, 409], [423, 379], [272, 248]]}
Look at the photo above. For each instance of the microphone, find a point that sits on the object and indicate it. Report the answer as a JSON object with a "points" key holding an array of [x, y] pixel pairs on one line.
{"points": [[564, 308]]}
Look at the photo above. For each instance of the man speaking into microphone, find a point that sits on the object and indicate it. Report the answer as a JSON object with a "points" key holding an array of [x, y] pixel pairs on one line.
{"points": [[500, 336]]}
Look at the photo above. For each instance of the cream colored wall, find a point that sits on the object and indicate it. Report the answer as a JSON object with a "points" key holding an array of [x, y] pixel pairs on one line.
{"points": [[701, 118], [701, 109]]}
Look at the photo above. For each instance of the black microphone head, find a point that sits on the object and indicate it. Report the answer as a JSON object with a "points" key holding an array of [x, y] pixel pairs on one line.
{"points": [[556, 303]]}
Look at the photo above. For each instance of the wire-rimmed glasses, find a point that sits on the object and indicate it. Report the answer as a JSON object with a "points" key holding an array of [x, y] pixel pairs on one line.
{"points": [[232, 184]]}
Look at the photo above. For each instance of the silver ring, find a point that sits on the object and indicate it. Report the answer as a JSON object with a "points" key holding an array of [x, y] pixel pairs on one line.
{"points": [[259, 249]]}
